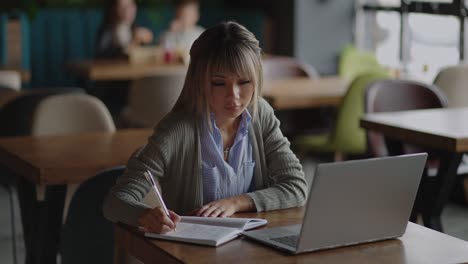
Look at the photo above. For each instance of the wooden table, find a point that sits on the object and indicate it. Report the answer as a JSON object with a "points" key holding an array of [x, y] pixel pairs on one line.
{"points": [[52, 162], [418, 245], [445, 130], [111, 70], [305, 92]]}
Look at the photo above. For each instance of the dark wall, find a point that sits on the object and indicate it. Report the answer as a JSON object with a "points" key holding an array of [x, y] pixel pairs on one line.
{"points": [[279, 23], [282, 26]]}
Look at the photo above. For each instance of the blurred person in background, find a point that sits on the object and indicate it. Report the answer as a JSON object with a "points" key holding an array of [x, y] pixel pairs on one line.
{"points": [[119, 32], [183, 30]]}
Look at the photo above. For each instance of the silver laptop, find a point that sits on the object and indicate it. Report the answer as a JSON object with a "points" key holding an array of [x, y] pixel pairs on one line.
{"points": [[352, 202]]}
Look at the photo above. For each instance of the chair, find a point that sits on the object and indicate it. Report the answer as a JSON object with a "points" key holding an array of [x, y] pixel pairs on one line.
{"points": [[10, 79], [17, 115], [354, 62], [87, 237], [64, 114], [151, 98], [275, 68], [398, 95], [347, 137], [68, 114], [453, 81], [282, 67]]}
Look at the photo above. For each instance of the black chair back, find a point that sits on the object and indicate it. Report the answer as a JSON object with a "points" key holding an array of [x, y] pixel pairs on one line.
{"points": [[87, 237]]}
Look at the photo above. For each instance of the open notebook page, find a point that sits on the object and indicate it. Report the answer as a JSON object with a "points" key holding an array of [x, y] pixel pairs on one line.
{"points": [[239, 223]]}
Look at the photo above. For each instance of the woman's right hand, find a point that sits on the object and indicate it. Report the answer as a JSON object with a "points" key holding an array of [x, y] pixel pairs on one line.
{"points": [[156, 221]]}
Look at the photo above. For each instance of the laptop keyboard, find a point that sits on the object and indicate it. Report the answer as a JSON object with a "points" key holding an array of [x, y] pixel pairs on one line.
{"points": [[287, 240]]}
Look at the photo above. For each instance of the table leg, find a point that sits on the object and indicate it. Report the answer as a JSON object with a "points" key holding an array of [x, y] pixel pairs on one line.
{"points": [[437, 192], [41, 221], [28, 210]]}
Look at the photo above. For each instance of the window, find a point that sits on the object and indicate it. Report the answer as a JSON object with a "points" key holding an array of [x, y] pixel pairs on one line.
{"points": [[415, 37]]}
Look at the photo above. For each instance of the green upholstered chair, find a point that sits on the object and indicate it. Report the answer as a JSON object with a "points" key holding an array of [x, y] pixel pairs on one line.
{"points": [[347, 137], [354, 62]]}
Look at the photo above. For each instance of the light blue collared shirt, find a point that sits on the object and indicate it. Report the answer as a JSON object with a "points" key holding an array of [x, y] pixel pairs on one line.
{"points": [[222, 179]]}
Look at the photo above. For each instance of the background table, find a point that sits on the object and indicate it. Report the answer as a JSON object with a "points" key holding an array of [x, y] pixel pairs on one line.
{"points": [[112, 70], [301, 92], [445, 130]]}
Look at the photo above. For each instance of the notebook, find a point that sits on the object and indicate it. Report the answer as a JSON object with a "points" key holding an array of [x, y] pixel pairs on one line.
{"points": [[209, 231], [352, 202]]}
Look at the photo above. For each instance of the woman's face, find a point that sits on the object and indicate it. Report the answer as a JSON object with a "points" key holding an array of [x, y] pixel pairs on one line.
{"points": [[188, 15], [230, 94], [126, 11]]}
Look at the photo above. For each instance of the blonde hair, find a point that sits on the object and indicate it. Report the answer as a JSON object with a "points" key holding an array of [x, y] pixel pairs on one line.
{"points": [[226, 46]]}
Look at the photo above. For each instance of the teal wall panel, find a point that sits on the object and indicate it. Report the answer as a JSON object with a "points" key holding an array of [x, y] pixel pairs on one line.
{"points": [[75, 42], [3, 43], [38, 49], [55, 43], [25, 42]]}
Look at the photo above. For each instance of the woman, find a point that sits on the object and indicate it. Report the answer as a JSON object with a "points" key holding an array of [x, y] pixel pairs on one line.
{"points": [[220, 150], [118, 32]]}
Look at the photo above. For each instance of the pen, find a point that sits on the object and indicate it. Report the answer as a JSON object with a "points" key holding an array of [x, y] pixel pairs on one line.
{"points": [[149, 177]]}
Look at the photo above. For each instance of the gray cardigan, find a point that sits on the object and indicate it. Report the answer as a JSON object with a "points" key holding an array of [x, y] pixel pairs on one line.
{"points": [[172, 154]]}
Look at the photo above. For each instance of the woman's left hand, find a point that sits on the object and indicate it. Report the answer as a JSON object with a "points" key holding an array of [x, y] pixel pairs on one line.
{"points": [[224, 207]]}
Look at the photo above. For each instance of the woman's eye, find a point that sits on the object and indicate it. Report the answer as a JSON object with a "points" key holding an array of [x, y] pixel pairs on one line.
{"points": [[217, 83], [243, 82]]}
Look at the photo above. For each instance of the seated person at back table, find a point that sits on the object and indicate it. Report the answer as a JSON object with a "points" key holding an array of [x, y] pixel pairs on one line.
{"points": [[220, 150], [118, 31], [183, 30]]}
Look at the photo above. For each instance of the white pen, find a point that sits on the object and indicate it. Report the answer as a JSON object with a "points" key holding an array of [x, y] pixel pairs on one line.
{"points": [[149, 177]]}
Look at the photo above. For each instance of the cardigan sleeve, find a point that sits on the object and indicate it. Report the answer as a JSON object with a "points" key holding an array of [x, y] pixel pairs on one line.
{"points": [[286, 186], [124, 203]]}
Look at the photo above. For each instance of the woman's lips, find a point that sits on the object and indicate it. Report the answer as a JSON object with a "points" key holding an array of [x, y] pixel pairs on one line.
{"points": [[233, 107]]}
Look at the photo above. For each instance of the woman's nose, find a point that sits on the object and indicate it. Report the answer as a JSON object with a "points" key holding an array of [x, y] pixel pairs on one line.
{"points": [[234, 91]]}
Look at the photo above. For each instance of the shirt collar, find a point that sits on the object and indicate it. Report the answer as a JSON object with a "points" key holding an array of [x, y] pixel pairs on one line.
{"points": [[243, 125]]}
